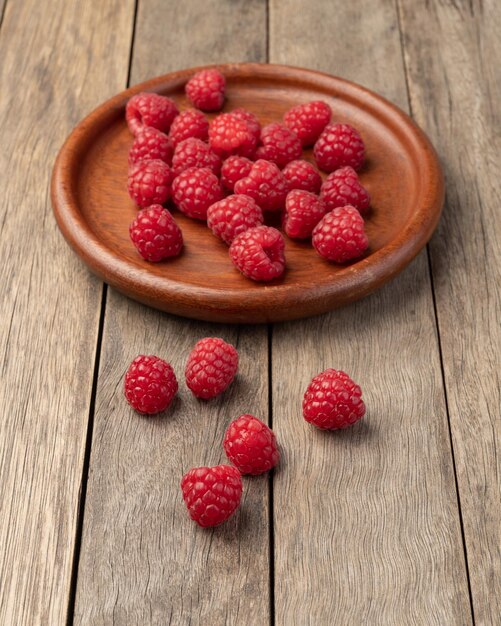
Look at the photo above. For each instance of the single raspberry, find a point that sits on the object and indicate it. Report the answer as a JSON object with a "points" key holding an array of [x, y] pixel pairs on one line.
{"points": [[265, 184], [211, 367], [302, 175], [230, 135], [155, 234], [337, 146], [234, 168], [194, 190], [149, 182], [307, 121], [233, 215], [279, 145], [193, 152], [150, 144], [252, 122], [205, 90], [189, 123], [250, 445], [343, 187], [340, 235], [259, 253], [212, 494], [150, 384], [303, 211], [150, 109], [332, 400]]}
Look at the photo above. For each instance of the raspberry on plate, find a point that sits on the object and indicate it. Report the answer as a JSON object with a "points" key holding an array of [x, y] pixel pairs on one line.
{"points": [[230, 135], [150, 384], [259, 253], [302, 175], [212, 494], [150, 109], [155, 234], [265, 184], [340, 235], [337, 146], [233, 215], [149, 182], [252, 122], [279, 145], [332, 400], [234, 168], [211, 367], [150, 144], [343, 187], [251, 445], [194, 152], [303, 211], [308, 120], [189, 123], [194, 190], [205, 90]]}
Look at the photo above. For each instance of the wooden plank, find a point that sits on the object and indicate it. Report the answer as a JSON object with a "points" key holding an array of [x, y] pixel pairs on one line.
{"points": [[455, 89], [55, 66], [143, 560], [366, 521]]}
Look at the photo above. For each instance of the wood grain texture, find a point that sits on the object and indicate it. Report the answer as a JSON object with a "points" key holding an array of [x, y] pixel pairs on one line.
{"points": [[55, 67], [452, 53], [366, 520]]}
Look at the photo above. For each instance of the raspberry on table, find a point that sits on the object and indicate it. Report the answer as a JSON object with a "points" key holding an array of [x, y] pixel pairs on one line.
{"points": [[251, 445], [259, 253], [149, 182], [205, 90], [150, 109], [303, 211], [343, 187], [151, 144], [155, 234], [332, 400], [279, 145], [233, 215], [150, 384], [265, 184], [302, 175], [340, 235], [230, 135], [211, 367], [234, 168], [307, 121], [337, 146], [194, 190], [194, 152], [251, 120], [212, 494], [189, 123]]}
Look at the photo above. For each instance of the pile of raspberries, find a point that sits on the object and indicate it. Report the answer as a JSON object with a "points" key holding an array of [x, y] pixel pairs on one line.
{"points": [[231, 174]]}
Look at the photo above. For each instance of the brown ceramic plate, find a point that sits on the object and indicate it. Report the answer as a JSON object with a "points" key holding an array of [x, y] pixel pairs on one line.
{"points": [[402, 174]]}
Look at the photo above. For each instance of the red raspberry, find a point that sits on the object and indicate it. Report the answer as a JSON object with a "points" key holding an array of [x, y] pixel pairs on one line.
{"points": [[205, 90], [149, 182], [265, 184], [342, 187], [253, 123], [212, 494], [308, 120], [155, 234], [150, 109], [234, 168], [194, 190], [233, 215], [332, 400], [302, 175], [190, 123], [337, 146], [279, 145], [211, 367], [250, 445], [150, 144], [303, 211], [150, 384], [230, 135], [340, 235], [194, 153], [259, 253]]}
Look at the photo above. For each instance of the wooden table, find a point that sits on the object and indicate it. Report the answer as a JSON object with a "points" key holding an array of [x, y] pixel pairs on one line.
{"points": [[395, 521]]}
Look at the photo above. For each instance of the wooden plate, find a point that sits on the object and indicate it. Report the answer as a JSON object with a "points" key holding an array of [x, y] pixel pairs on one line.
{"points": [[402, 174]]}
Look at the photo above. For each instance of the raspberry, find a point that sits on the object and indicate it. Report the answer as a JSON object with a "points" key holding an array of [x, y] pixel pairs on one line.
{"points": [[332, 400], [211, 367], [337, 146], [193, 152], [252, 122], [308, 120], [303, 211], [205, 90], [259, 253], [212, 494], [150, 384], [194, 190], [149, 182], [233, 215], [279, 145], [150, 144], [250, 445], [302, 175], [340, 235], [265, 184], [342, 187], [190, 123], [233, 169], [230, 135], [150, 109], [155, 234]]}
